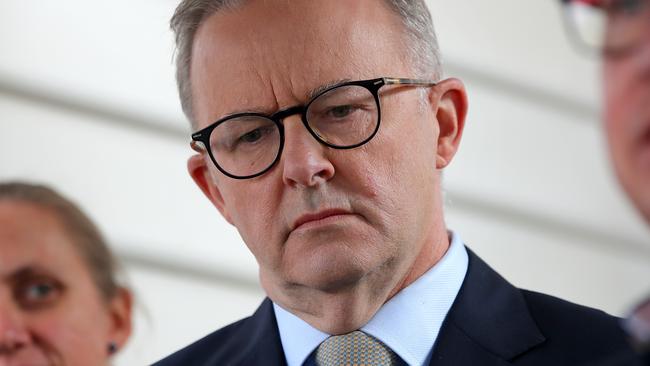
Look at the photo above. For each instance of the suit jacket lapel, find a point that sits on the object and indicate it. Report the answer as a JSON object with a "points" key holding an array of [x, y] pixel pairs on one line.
{"points": [[488, 324], [263, 339]]}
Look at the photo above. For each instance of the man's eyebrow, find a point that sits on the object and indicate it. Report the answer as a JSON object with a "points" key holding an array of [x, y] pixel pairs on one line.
{"points": [[256, 109], [314, 92], [264, 110]]}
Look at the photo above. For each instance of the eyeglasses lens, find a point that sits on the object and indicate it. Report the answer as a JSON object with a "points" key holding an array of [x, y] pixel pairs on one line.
{"points": [[610, 25], [245, 146], [344, 116]]}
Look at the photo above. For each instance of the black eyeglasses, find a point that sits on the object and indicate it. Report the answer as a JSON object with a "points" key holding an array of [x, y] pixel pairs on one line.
{"points": [[345, 116], [611, 27]]}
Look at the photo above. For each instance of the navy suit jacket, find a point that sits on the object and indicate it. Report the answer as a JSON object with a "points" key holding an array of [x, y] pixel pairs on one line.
{"points": [[490, 323]]}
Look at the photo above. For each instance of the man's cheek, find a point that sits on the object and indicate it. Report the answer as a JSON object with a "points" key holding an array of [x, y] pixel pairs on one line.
{"points": [[615, 103], [256, 218], [611, 84]]}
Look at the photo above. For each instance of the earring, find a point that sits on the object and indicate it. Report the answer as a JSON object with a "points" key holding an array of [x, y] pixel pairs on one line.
{"points": [[112, 348]]}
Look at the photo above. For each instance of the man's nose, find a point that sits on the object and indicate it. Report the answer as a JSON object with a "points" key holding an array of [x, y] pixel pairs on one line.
{"points": [[304, 159], [13, 334]]}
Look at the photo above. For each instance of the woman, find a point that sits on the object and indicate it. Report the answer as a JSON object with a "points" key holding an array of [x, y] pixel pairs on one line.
{"points": [[60, 303]]}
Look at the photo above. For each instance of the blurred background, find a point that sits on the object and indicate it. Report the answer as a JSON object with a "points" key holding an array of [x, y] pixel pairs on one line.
{"points": [[88, 104]]}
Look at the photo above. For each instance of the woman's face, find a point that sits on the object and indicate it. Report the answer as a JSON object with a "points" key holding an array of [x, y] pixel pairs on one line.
{"points": [[51, 312]]}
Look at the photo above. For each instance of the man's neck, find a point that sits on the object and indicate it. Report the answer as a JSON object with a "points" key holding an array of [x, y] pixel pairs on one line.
{"points": [[348, 309]]}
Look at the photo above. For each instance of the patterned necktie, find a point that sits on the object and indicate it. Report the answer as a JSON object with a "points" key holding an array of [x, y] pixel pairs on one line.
{"points": [[354, 349]]}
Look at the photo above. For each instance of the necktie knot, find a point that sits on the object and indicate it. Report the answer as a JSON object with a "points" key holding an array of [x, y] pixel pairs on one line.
{"points": [[354, 349]]}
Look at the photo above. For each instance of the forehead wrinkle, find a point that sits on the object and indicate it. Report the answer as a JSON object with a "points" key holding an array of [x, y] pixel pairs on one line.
{"points": [[296, 51], [285, 79], [268, 69], [208, 47], [321, 88]]}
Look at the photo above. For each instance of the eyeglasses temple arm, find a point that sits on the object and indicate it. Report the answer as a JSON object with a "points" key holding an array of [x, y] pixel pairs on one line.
{"points": [[400, 81], [197, 147]]}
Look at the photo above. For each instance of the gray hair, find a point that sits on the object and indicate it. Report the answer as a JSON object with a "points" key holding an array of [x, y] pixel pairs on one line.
{"points": [[190, 14]]}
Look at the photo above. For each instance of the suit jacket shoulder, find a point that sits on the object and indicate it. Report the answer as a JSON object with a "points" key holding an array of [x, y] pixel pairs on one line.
{"points": [[494, 323], [579, 332], [251, 341]]}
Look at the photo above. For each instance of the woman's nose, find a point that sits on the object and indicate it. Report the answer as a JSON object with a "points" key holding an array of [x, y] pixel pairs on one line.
{"points": [[13, 333]]}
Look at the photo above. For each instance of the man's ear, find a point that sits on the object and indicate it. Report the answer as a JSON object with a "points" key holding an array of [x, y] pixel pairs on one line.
{"points": [[450, 101], [120, 308], [199, 170]]}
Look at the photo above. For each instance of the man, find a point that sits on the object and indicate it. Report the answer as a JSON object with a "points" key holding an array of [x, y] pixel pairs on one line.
{"points": [[620, 31], [330, 168]]}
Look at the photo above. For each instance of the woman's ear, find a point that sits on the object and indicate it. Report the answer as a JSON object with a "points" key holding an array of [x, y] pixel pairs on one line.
{"points": [[120, 308]]}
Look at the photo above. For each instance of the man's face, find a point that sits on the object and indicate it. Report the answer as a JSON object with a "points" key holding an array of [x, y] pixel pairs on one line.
{"points": [[627, 95], [50, 310], [321, 218]]}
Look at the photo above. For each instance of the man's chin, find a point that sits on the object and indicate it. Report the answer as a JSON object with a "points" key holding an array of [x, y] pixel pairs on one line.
{"points": [[328, 262], [331, 278]]}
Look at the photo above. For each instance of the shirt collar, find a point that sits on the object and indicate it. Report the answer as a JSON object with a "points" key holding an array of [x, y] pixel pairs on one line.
{"points": [[408, 323], [298, 338]]}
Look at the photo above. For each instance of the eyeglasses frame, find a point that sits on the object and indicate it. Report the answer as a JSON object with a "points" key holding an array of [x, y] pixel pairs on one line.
{"points": [[373, 85], [583, 46]]}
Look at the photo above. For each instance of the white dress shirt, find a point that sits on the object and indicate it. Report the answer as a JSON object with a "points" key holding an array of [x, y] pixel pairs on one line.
{"points": [[408, 323]]}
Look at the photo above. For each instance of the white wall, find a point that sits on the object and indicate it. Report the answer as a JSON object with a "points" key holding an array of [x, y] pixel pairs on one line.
{"points": [[88, 104]]}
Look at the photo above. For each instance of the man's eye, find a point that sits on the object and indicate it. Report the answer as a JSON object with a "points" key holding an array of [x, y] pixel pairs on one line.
{"points": [[255, 136], [251, 136], [341, 111], [624, 7]]}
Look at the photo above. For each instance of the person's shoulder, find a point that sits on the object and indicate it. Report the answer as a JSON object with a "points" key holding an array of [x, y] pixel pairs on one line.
{"points": [[581, 331], [219, 347], [552, 313], [251, 341]]}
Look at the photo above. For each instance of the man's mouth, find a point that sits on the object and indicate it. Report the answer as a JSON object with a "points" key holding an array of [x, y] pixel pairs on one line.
{"points": [[319, 217], [643, 136], [642, 148], [645, 139]]}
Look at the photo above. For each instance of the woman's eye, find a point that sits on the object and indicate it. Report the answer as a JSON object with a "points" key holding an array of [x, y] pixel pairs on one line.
{"points": [[39, 293]]}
